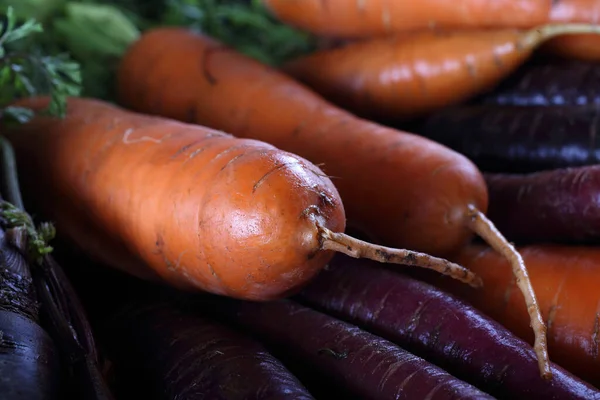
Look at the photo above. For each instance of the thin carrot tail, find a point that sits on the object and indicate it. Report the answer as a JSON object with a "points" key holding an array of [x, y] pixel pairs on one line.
{"points": [[483, 227], [345, 244], [536, 36]]}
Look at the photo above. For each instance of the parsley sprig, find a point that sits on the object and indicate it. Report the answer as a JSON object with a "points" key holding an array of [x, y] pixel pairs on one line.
{"points": [[96, 33], [25, 70]]}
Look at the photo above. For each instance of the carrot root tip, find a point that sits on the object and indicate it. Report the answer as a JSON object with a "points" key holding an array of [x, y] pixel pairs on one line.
{"points": [[345, 244], [483, 227], [536, 36]]}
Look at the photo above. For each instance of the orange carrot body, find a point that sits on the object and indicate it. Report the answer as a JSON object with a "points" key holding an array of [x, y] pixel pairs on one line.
{"points": [[402, 189], [581, 47], [566, 280], [364, 18], [410, 75], [180, 203]]}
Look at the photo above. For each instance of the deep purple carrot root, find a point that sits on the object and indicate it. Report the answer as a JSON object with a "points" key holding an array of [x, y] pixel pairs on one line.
{"points": [[343, 355], [30, 361], [438, 327], [548, 81], [161, 352], [559, 206], [514, 139]]}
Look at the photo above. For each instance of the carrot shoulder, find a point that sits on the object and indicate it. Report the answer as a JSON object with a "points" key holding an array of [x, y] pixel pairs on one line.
{"points": [[352, 18], [412, 74], [565, 279]]}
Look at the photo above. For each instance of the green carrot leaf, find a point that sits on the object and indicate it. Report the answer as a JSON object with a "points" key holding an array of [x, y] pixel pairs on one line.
{"points": [[28, 71]]}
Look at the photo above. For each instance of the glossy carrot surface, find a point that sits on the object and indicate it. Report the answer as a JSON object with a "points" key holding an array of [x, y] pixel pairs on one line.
{"points": [[363, 18], [411, 75]]}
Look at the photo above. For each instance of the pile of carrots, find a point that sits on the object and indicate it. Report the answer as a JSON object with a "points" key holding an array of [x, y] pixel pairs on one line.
{"points": [[226, 189], [403, 61]]}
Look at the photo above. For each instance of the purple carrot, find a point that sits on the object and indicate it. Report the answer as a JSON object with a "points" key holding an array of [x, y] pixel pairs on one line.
{"points": [[439, 327], [30, 367], [343, 355], [515, 139], [558, 206], [161, 352], [549, 81]]}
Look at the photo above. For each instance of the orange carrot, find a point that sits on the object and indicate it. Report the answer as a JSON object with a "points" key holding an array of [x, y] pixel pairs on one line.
{"points": [[403, 189], [410, 75], [366, 18], [581, 47], [188, 205], [566, 280]]}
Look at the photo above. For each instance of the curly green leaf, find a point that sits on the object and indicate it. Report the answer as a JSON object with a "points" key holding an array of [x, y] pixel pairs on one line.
{"points": [[27, 71]]}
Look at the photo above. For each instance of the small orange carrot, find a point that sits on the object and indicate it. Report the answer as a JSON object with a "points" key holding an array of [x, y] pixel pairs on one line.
{"points": [[580, 47], [409, 75], [566, 280], [187, 205], [366, 18]]}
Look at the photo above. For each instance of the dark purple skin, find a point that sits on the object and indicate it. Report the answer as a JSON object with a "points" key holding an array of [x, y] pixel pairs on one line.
{"points": [[345, 356], [161, 352], [549, 81], [29, 360], [514, 139], [559, 206], [439, 327]]}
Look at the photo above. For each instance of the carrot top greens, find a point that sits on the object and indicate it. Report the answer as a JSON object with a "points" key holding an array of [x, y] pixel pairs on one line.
{"points": [[95, 33], [246, 25], [25, 70]]}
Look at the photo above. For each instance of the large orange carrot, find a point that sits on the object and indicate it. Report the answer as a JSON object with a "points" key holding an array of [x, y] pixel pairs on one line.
{"points": [[412, 74], [582, 47], [364, 18], [191, 206], [566, 280], [403, 189]]}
